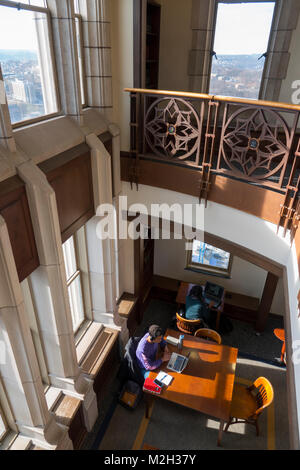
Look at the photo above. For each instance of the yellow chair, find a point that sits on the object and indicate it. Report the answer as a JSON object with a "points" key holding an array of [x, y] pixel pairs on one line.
{"points": [[249, 402], [206, 333], [188, 326]]}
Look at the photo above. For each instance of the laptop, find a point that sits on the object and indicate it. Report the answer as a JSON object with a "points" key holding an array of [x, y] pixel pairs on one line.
{"points": [[213, 292], [177, 362]]}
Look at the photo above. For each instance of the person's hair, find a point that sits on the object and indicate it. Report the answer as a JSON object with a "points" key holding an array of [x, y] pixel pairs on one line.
{"points": [[155, 331], [196, 291]]}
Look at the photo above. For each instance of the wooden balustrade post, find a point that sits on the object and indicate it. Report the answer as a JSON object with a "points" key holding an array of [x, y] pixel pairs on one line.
{"points": [[266, 302]]}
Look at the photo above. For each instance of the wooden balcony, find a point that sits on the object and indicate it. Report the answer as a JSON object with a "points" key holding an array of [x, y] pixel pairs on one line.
{"points": [[239, 152]]}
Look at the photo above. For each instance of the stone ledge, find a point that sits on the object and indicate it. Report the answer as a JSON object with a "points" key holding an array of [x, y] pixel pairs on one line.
{"points": [[95, 358]]}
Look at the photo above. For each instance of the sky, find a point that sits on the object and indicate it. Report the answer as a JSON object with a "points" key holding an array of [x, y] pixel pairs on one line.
{"points": [[243, 28], [16, 29]]}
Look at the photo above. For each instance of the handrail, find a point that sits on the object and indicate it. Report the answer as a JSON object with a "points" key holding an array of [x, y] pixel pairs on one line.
{"points": [[226, 99]]}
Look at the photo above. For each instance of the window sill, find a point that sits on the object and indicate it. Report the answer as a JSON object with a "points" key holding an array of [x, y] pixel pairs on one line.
{"points": [[94, 357], [14, 441], [65, 409], [87, 340], [207, 273], [52, 396]]}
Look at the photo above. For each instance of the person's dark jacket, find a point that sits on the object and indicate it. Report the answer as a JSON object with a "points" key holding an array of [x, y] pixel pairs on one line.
{"points": [[129, 369], [196, 309]]}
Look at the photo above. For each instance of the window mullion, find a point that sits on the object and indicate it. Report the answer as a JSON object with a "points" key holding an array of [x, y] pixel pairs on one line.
{"points": [[73, 277]]}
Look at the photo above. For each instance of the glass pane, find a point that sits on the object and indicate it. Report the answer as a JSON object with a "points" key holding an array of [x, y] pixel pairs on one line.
{"points": [[79, 49], [241, 37], [76, 6], [70, 257], [209, 255], [3, 429], [76, 303], [37, 3], [26, 64]]}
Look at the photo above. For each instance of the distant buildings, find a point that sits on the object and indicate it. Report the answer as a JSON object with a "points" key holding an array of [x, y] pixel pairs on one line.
{"points": [[23, 85], [236, 75]]}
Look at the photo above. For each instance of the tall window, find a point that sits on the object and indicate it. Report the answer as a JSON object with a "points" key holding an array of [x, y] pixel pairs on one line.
{"points": [[26, 58], [74, 282], [241, 40], [209, 259]]}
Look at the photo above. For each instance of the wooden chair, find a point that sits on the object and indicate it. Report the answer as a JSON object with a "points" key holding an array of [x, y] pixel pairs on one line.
{"points": [[187, 326], [249, 402], [206, 333]]}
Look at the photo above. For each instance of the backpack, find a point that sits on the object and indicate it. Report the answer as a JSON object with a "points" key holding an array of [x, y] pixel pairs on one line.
{"points": [[130, 395]]}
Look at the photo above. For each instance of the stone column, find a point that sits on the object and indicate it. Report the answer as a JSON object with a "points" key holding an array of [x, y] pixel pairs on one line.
{"points": [[50, 293], [66, 54], [202, 24], [96, 18], [19, 370], [101, 252]]}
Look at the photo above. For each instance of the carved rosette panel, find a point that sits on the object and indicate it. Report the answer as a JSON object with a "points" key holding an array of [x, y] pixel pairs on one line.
{"points": [[255, 144], [173, 129]]}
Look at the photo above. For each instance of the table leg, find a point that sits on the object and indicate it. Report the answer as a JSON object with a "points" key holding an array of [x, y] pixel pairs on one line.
{"points": [[148, 403], [222, 422]]}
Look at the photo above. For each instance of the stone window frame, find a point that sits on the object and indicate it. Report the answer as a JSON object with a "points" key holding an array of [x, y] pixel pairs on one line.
{"points": [[203, 25], [28, 296]]}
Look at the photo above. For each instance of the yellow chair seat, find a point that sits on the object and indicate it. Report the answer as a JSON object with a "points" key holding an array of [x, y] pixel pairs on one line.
{"points": [[243, 404]]}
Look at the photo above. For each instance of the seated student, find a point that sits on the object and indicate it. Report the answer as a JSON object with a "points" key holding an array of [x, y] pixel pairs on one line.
{"points": [[196, 308], [147, 350]]}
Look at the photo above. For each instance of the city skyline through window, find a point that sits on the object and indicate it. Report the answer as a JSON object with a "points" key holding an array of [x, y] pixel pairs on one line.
{"points": [[241, 38], [26, 64]]}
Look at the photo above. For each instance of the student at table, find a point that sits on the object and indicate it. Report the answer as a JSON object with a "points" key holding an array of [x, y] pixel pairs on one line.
{"points": [[149, 347], [196, 308]]}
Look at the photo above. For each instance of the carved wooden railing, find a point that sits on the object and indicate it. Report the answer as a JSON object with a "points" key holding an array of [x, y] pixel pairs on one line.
{"points": [[254, 141]]}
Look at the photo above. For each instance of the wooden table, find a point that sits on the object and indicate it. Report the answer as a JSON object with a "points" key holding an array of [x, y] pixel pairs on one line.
{"points": [[183, 291], [206, 384]]}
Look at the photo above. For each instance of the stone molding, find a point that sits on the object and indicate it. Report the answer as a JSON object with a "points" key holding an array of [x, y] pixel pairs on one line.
{"points": [[278, 56]]}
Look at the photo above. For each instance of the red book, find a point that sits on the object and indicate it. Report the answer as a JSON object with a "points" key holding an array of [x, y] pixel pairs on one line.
{"points": [[150, 386]]}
